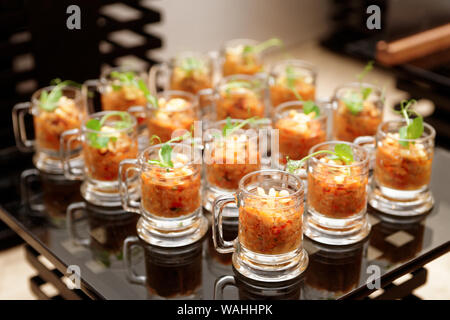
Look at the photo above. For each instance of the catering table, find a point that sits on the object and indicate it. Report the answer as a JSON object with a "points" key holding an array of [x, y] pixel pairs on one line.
{"points": [[34, 207]]}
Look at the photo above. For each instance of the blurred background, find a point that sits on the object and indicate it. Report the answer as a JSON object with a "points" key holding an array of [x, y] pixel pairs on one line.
{"points": [[411, 50]]}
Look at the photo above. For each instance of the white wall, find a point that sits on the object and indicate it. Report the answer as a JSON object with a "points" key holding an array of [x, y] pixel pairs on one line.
{"points": [[205, 24]]}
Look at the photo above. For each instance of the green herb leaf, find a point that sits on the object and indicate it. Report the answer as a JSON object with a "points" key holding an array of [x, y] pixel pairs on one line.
{"points": [[100, 141], [150, 98], [344, 152], [48, 101], [354, 103], [367, 69], [309, 106], [230, 127], [414, 128], [165, 152], [191, 64], [262, 46], [366, 92]]}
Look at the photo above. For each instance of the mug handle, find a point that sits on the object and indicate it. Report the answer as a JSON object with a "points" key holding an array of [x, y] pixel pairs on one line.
{"points": [[153, 76], [88, 90], [125, 167], [18, 118], [368, 143], [25, 193], [220, 285], [71, 225], [221, 245], [65, 151], [128, 245]]}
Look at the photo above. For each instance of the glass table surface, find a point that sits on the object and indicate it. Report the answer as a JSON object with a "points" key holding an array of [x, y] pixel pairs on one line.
{"points": [[34, 205]]}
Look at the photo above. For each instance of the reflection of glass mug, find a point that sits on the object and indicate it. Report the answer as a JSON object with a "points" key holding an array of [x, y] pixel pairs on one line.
{"points": [[229, 157], [101, 161], [334, 271], [108, 228], [292, 75], [188, 71], [337, 197], [55, 194], [269, 244], [171, 273], [49, 125], [170, 205], [249, 289], [402, 170]]}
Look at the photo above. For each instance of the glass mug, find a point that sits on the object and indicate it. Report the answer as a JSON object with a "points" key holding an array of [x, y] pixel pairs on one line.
{"points": [[347, 126], [234, 61], [176, 111], [269, 243], [101, 164], [188, 71], [288, 75], [299, 132], [49, 127], [113, 95], [236, 96], [171, 198], [170, 273], [402, 174], [337, 197], [228, 158]]}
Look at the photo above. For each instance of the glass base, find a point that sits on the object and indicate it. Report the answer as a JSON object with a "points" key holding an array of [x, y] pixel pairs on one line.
{"points": [[401, 203], [173, 233], [102, 194], [333, 231], [269, 268], [53, 165]]}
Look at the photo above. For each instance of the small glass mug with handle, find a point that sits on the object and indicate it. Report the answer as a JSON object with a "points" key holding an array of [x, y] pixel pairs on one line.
{"points": [[402, 170], [269, 243], [107, 140], [50, 120], [171, 197]]}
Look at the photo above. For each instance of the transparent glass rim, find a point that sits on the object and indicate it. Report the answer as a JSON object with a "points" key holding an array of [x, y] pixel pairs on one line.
{"points": [[362, 163], [104, 76], [190, 53], [285, 105], [354, 85], [142, 159], [242, 77], [239, 41], [430, 135], [296, 193], [103, 113], [37, 93], [191, 98], [297, 63]]}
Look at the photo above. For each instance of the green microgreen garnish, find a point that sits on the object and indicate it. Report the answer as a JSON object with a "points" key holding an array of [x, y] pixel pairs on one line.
{"points": [[230, 127], [309, 106], [129, 78], [100, 140], [49, 100], [341, 152], [165, 152], [191, 64], [414, 127], [355, 102], [260, 47]]}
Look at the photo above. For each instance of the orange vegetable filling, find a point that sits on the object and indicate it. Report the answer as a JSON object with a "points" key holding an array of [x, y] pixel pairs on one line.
{"points": [[337, 192], [280, 92], [270, 225], [171, 115], [402, 168], [347, 126], [49, 125], [232, 158], [192, 82], [171, 192], [298, 133], [103, 164], [239, 103], [238, 63]]}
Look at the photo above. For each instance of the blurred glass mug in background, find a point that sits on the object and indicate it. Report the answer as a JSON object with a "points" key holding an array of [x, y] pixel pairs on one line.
{"points": [[269, 245], [55, 109], [402, 170], [122, 88], [169, 183], [107, 137]]}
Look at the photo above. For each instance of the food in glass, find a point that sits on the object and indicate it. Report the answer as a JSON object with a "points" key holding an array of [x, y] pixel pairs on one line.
{"points": [[191, 73], [175, 110], [169, 178], [292, 80], [108, 137], [270, 226], [358, 111], [240, 97], [121, 90], [244, 56], [301, 125]]}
